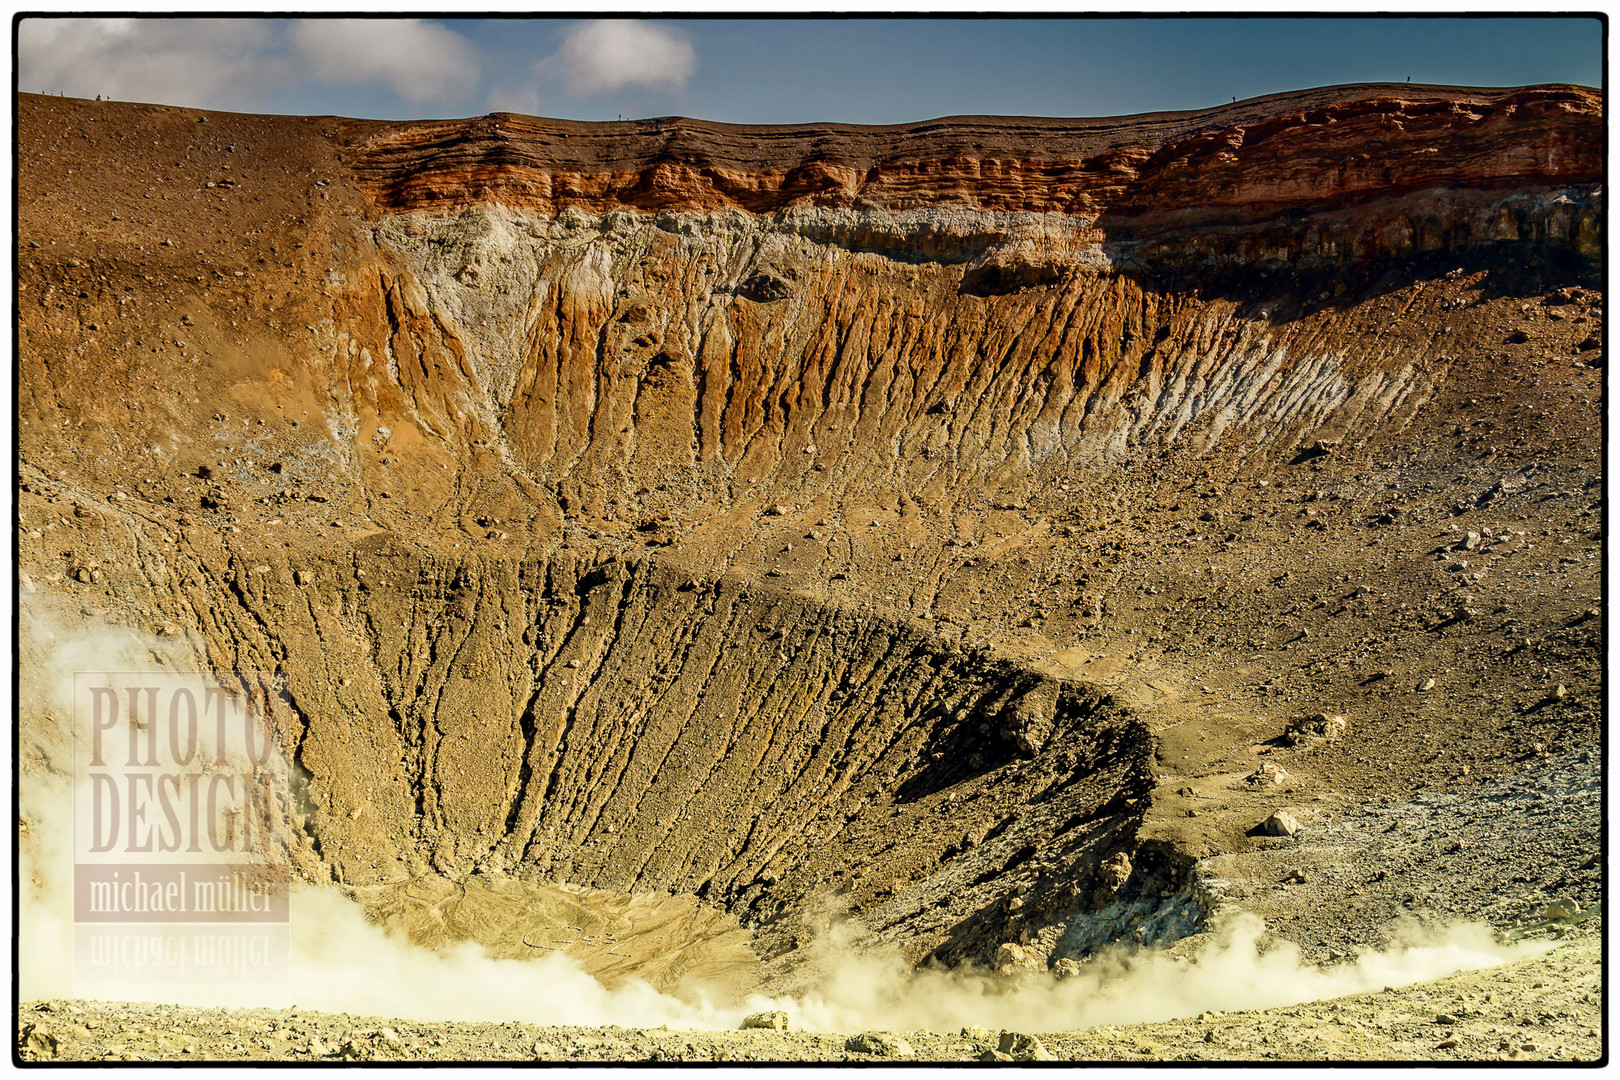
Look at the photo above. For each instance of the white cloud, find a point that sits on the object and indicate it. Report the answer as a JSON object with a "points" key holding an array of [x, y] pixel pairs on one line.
{"points": [[420, 61], [239, 63], [214, 63], [610, 54], [522, 98]]}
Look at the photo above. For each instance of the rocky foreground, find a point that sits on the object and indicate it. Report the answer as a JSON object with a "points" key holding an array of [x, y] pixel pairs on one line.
{"points": [[1544, 1009]]}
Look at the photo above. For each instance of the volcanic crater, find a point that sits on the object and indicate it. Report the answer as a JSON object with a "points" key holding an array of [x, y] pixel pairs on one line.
{"points": [[956, 524]]}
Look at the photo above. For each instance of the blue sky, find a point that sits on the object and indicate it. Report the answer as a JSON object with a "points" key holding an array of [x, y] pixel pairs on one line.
{"points": [[854, 70]]}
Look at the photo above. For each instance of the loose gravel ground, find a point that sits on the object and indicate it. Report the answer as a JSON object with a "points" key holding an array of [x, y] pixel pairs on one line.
{"points": [[1497, 852], [1543, 1009]]}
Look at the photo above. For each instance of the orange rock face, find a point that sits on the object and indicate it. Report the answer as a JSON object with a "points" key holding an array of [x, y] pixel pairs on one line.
{"points": [[1256, 165]]}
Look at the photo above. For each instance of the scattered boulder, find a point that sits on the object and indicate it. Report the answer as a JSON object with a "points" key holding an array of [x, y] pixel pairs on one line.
{"points": [[879, 1044], [1315, 728], [768, 1021], [1562, 909], [1268, 773], [1011, 956], [1112, 874], [36, 1044], [355, 1050], [1281, 823], [1426, 685], [1023, 1047], [995, 1055]]}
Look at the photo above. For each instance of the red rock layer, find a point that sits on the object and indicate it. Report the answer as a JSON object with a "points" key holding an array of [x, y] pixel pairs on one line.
{"points": [[1312, 151]]}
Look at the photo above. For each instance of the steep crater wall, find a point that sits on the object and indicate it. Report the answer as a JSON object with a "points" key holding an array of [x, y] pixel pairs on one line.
{"points": [[616, 724]]}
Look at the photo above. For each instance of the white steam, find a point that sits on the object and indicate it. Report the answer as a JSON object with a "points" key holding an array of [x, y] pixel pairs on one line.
{"points": [[341, 962], [51, 650], [604, 55], [95, 746], [877, 990]]}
